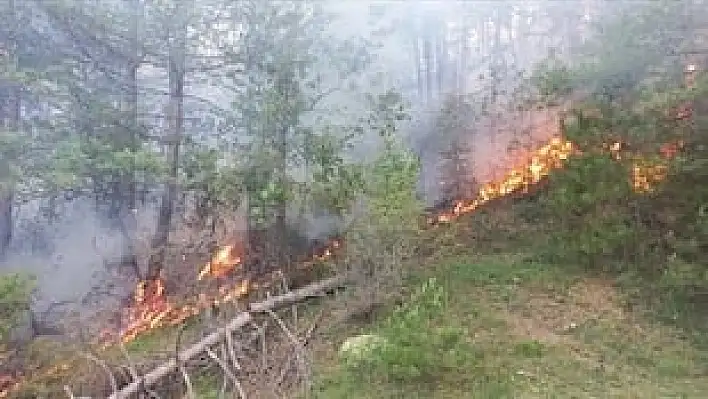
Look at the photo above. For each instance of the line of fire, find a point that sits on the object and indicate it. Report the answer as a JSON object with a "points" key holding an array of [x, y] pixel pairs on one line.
{"points": [[151, 308]]}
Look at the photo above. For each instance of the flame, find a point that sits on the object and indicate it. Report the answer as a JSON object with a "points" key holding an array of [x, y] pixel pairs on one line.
{"points": [[327, 252], [152, 309], [223, 262], [157, 311], [646, 173], [542, 161]]}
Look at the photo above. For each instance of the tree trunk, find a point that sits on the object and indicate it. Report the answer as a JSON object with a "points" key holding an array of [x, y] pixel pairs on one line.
{"points": [[441, 59], [6, 225], [418, 69], [7, 189], [169, 197], [287, 87], [428, 55], [128, 184], [464, 54], [280, 235], [497, 56]]}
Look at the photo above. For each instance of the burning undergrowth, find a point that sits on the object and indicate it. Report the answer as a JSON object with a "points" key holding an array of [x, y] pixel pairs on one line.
{"points": [[233, 272], [519, 178], [230, 276]]}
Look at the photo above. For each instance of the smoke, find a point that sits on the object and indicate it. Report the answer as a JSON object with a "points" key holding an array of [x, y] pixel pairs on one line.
{"points": [[75, 261], [491, 132]]}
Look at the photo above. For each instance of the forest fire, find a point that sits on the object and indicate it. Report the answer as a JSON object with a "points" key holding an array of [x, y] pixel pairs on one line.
{"points": [[542, 161], [151, 308], [644, 175], [154, 310]]}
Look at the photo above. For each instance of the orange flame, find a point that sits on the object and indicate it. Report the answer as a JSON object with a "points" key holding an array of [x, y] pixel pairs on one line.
{"points": [[157, 311], [223, 262], [647, 173], [542, 161]]}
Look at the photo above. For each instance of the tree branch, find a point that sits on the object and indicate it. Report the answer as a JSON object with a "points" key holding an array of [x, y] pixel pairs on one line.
{"points": [[241, 320]]}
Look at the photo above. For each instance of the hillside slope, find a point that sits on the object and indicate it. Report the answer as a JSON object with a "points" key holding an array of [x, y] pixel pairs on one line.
{"points": [[496, 322]]}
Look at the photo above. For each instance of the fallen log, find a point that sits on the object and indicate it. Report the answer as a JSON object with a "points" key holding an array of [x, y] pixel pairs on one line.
{"points": [[153, 377]]}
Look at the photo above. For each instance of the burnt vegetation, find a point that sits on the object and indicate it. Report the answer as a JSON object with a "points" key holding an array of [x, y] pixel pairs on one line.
{"points": [[353, 199]]}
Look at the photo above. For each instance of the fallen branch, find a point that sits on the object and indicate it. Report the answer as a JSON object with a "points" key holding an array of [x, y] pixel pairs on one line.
{"points": [[239, 321], [310, 291]]}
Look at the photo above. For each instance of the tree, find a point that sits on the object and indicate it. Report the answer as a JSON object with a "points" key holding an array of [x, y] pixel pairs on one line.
{"points": [[383, 235], [291, 64], [178, 17], [10, 114], [454, 122]]}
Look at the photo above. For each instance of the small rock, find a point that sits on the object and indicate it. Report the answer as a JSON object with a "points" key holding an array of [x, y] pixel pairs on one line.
{"points": [[357, 348]]}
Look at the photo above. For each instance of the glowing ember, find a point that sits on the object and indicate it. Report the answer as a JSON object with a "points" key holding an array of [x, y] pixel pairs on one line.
{"points": [[159, 312], [647, 173], [328, 251], [644, 176]]}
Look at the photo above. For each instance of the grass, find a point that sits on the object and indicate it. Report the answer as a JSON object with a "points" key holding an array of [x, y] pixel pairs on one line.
{"points": [[525, 330]]}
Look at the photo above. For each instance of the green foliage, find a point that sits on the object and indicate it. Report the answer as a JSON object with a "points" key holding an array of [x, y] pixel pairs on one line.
{"points": [[587, 210], [335, 183], [218, 186], [635, 89], [530, 349], [14, 301], [13, 147], [76, 160], [260, 180], [385, 228], [631, 45], [414, 349], [391, 179], [589, 181]]}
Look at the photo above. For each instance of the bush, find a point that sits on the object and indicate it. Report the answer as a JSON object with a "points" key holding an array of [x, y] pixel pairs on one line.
{"points": [[410, 347], [384, 231], [588, 209]]}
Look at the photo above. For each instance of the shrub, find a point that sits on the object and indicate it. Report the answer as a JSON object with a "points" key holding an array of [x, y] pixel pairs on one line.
{"points": [[588, 208], [410, 348]]}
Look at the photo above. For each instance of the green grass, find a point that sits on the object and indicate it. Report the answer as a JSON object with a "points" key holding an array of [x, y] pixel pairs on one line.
{"points": [[519, 329]]}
